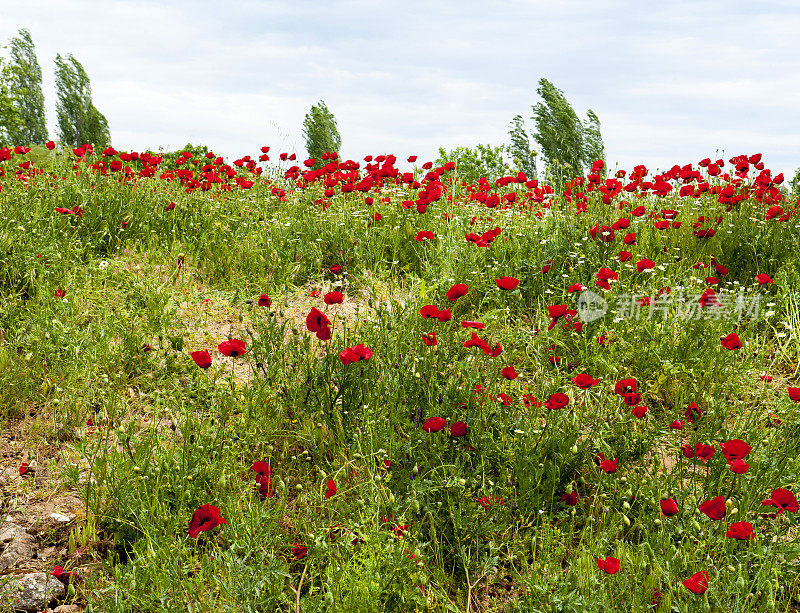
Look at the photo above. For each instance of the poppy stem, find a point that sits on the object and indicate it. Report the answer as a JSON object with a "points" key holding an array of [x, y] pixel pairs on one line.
{"points": [[299, 588]]}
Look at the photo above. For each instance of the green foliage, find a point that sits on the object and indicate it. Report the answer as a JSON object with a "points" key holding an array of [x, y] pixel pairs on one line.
{"points": [[794, 185], [79, 121], [198, 153], [565, 141], [320, 131], [520, 149], [100, 311], [10, 118], [472, 164], [27, 80]]}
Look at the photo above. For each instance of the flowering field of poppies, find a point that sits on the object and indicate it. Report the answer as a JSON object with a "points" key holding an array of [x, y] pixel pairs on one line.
{"points": [[272, 383]]}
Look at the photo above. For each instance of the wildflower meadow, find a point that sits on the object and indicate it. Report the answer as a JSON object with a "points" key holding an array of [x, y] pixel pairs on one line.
{"points": [[286, 384]]}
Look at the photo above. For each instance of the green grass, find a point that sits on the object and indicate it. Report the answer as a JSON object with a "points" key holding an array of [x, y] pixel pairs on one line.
{"points": [[421, 521]]}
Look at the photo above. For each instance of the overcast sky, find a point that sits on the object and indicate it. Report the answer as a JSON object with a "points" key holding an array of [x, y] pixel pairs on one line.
{"points": [[672, 82]]}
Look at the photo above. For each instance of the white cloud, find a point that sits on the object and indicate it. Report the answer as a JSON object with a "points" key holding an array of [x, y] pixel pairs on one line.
{"points": [[670, 82]]}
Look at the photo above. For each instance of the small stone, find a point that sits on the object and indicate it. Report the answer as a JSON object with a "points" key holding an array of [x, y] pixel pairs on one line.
{"points": [[31, 592], [67, 608], [61, 518], [9, 531], [20, 549]]}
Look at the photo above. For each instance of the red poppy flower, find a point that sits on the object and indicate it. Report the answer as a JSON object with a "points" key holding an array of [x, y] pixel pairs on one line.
{"points": [[59, 573], [559, 310], [412, 159], [50, 145], [688, 451], [330, 488], [24, 468], [570, 499], [584, 381], [738, 466], [486, 502], [429, 311], [59, 293], [333, 298], [693, 412], [762, 279], [264, 301], [262, 469], [504, 399], [639, 411], [424, 235], [458, 429], [606, 274], [609, 565], [643, 265], [783, 500], [434, 424], [794, 393], [703, 452], [205, 518], [507, 283], [626, 386], [317, 322], [299, 551], [676, 425], [732, 342], [455, 292], [624, 256], [509, 373], [741, 530], [444, 315], [265, 487], [335, 269], [430, 339], [714, 508], [232, 348], [735, 449], [608, 466], [697, 583], [201, 358], [632, 398], [669, 507], [475, 341], [473, 324], [557, 401], [350, 355]]}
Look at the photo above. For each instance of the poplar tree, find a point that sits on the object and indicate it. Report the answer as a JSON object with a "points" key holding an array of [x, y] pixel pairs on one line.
{"points": [[563, 138], [10, 120], [320, 131], [520, 149], [78, 120], [26, 80]]}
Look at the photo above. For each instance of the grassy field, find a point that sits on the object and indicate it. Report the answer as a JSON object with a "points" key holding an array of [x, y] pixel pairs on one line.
{"points": [[264, 385]]}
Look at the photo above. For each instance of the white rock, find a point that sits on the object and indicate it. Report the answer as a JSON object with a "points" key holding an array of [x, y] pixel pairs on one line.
{"points": [[31, 592]]}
